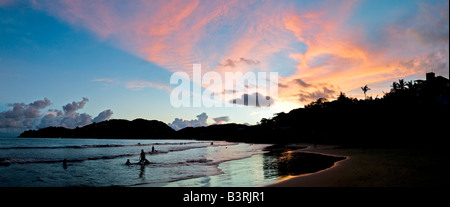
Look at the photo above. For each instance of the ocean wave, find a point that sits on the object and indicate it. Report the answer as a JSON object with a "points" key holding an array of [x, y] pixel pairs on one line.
{"points": [[199, 161], [104, 157], [100, 145]]}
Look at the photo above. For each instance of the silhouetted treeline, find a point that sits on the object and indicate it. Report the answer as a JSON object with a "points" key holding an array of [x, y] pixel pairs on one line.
{"points": [[411, 113], [414, 112]]}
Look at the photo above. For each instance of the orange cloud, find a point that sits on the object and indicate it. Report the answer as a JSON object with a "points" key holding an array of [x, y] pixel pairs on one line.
{"points": [[176, 34], [342, 55], [164, 32]]}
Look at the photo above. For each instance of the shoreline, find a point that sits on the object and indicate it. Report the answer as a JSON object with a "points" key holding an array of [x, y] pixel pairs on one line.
{"points": [[394, 167], [303, 180]]}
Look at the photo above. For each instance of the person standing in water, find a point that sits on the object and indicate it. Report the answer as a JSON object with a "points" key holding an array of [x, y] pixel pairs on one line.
{"points": [[142, 159], [65, 163]]}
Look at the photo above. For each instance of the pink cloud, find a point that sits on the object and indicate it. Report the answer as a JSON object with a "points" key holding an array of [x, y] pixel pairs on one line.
{"points": [[342, 54], [176, 34]]}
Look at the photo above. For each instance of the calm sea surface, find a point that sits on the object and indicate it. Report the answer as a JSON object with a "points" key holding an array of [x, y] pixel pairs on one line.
{"points": [[101, 162]]}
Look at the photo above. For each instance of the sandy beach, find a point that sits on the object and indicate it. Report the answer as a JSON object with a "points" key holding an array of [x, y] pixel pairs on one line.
{"points": [[408, 167]]}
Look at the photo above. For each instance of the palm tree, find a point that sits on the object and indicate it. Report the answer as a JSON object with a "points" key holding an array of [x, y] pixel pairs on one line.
{"points": [[410, 85], [394, 86], [365, 89], [401, 84]]}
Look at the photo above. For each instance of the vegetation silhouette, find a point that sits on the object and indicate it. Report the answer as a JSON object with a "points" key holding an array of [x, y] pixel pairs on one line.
{"points": [[410, 114], [365, 89]]}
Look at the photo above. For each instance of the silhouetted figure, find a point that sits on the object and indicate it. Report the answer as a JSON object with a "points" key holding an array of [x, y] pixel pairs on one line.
{"points": [[65, 164], [153, 149], [142, 159], [128, 162], [4, 163], [212, 143]]}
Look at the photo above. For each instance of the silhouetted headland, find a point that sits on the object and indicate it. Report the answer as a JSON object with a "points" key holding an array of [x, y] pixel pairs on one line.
{"points": [[111, 129], [411, 113]]}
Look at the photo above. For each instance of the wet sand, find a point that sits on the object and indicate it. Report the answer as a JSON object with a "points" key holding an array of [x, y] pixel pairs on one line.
{"points": [[375, 168]]}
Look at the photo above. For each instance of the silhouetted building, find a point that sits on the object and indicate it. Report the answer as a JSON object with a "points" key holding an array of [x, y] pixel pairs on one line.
{"points": [[430, 76], [435, 89]]}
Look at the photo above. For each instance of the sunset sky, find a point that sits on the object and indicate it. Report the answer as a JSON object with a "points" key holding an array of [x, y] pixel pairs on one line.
{"points": [[71, 62]]}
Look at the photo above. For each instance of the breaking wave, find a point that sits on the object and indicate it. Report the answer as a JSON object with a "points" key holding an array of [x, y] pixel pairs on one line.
{"points": [[177, 147]]}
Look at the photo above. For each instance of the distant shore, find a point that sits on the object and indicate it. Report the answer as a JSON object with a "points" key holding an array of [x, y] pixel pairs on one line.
{"points": [[399, 167]]}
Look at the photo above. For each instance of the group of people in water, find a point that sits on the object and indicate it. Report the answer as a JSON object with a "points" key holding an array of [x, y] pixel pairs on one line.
{"points": [[142, 159]]}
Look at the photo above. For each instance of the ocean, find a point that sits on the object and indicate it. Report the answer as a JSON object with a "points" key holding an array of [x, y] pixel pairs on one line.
{"points": [[38, 162]]}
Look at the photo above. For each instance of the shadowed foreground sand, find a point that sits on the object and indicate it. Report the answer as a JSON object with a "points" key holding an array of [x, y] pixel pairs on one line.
{"points": [[376, 168]]}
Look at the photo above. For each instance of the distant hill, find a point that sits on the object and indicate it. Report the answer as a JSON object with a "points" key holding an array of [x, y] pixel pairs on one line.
{"points": [[229, 132], [112, 129]]}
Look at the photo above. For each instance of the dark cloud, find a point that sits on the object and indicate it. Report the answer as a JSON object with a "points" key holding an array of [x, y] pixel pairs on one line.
{"points": [[23, 116], [283, 85], [202, 118], [41, 103], [324, 92], [233, 63], [22, 110], [72, 107], [255, 99], [221, 119], [309, 92], [178, 123], [294, 83], [302, 83], [225, 91], [75, 120], [249, 61], [50, 120], [102, 116], [228, 63]]}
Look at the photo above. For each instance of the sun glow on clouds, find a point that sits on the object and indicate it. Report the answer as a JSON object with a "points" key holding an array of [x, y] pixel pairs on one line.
{"points": [[339, 53]]}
